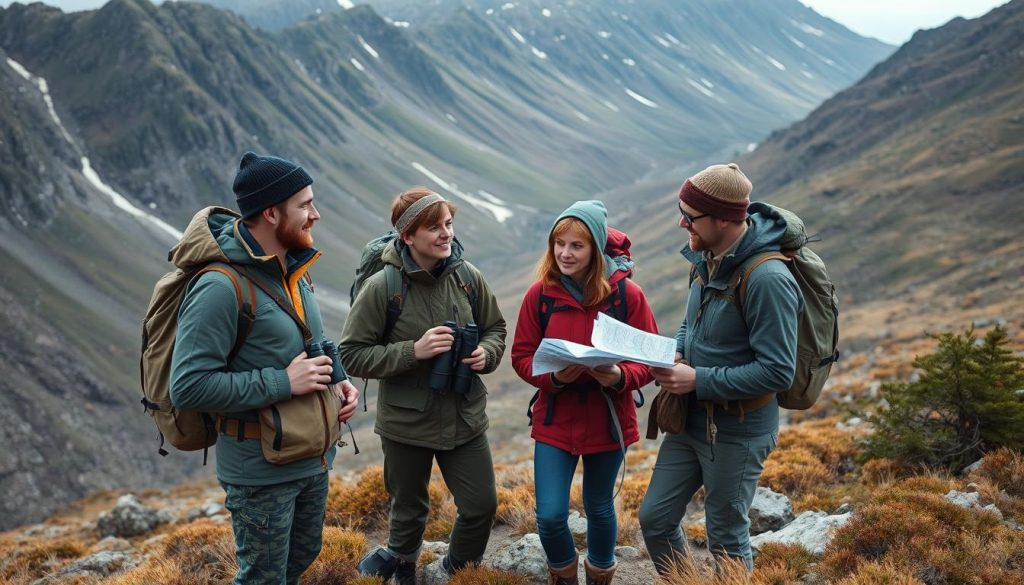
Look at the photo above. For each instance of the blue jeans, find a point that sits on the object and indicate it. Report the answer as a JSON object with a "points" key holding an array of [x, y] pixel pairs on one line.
{"points": [[553, 469]]}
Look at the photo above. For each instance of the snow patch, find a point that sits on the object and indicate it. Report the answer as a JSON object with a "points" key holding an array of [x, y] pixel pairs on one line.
{"points": [[806, 74], [401, 23], [346, 4], [366, 46], [672, 39], [701, 88], [718, 49], [629, 62], [357, 64], [489, 203], [663, 42], [516, 34], [581, 115], [803, 26], [451, 118], [540, 54], [794, 41], [777, 65], [508, 6], [751, 147], [707, 83], [610, 106], [45, 90], [122, 203], [545, 13], [640, 98], [604, 34]]}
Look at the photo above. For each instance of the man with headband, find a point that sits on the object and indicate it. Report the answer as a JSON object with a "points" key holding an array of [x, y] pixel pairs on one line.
{"points": [[730, 365], [423, 417]]}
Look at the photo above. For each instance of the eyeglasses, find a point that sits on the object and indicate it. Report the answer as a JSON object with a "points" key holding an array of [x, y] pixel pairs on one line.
{"points": [[690, 219]]}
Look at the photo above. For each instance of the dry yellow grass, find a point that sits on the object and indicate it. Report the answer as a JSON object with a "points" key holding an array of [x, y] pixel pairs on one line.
{"points": [[362, 506], [697, 534], [517, 508], [338, 557], [685, 571], [910, 528], [795, 471], [475, 575], [26, 561], [201, 552]]}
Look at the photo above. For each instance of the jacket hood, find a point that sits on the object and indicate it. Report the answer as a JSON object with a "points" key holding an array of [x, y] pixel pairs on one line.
{"points": [[766, 231], [201, 241]]}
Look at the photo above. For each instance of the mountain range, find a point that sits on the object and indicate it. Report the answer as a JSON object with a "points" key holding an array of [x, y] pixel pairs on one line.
{"points": [[117, 124]]}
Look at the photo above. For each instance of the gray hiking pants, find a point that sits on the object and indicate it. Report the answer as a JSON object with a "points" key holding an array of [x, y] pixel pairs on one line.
{"points": [[729, 477], [469, 474], [278, 528]]}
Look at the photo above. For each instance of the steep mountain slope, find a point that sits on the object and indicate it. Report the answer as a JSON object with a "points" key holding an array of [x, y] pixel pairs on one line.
{"points": [[912, 178], [145, 110]]}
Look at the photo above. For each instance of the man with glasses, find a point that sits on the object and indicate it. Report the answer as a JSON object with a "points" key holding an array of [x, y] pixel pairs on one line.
{"points": [[731, 362]]}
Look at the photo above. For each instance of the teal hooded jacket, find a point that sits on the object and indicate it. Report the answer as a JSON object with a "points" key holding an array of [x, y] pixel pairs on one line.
{"points": [[739, 358], [201, 377]]}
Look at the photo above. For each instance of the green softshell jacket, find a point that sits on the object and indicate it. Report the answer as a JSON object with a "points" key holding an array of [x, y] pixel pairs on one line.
{"points": [[408, 411], [201, 378]]}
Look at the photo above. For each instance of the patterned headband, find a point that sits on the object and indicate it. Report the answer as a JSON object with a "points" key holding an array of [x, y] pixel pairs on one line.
{"points": [[410, 215]]}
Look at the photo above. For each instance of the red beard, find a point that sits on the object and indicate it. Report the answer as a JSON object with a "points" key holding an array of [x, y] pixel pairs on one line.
{"points": [[696, 242], [293, 238]]}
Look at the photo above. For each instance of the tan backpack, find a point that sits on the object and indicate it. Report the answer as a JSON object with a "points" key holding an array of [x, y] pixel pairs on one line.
{"points": [[196, 253]]}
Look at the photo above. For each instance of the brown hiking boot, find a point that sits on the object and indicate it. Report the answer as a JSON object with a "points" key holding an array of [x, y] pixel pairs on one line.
{"points": [[564, 576], [597, 576]]}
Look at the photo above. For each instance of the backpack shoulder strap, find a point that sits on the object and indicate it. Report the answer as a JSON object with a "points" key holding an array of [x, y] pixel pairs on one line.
{"points": [[742, 275], [617, 306], [246, 307], [464, 278], [286, 306], [397, 288]]}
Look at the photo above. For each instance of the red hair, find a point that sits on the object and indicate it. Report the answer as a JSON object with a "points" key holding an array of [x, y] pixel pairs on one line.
{"points": [[595, 286], [429, 216]]}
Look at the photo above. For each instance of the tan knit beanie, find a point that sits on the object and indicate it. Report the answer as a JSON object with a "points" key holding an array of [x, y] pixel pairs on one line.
{"points": [[722, 191]]}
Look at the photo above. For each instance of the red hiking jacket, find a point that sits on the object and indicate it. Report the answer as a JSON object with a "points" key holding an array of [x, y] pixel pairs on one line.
{"points": [[581, 423]]}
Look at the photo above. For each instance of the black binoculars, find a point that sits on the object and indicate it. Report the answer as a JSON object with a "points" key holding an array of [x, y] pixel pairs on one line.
{"points": [[329, 349], [448, 372]]}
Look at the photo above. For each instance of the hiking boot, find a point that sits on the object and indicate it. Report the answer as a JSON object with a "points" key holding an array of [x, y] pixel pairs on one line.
{"points": [[596, 576], [566, 575], [381, 563], [405, 574]]}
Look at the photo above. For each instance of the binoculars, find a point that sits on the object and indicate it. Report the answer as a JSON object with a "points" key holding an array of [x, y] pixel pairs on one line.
{"points": [[329, 349], [448, 372]]}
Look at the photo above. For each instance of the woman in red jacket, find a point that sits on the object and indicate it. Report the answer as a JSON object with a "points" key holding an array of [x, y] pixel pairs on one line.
{"points": [[583, 273]]}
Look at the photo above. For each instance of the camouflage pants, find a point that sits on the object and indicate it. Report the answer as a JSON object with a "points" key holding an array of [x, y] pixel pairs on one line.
{"points": [[278, 528]]}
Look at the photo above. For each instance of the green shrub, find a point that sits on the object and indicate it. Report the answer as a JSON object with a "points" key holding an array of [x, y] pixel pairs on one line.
{"points": [[968, 400]]}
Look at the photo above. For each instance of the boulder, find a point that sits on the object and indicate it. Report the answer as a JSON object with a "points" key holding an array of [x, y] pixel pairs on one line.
{"points": [[130, 518], [577, 524], [769, 511], [525, 555], [811, 530]]}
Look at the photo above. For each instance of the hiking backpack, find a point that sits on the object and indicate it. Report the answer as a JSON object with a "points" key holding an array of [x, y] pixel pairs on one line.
{"points": [[195, 254], [818, 325]]}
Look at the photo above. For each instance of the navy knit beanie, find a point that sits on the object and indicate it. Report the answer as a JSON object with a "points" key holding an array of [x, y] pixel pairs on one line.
{"points": [[263, 181]]}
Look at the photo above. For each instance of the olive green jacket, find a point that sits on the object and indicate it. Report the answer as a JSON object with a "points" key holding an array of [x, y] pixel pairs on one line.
{"points": [[408, 411]]}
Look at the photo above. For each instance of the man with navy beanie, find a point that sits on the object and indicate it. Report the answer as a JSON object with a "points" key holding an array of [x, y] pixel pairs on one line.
{"points": [[277, 504], [263, 181]]}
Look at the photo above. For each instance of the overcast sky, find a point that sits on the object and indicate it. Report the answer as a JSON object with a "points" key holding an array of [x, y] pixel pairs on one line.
{"points": [[893, 21]]}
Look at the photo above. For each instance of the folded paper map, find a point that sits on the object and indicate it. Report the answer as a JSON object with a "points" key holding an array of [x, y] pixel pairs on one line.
{"points": [[613, 342]]}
